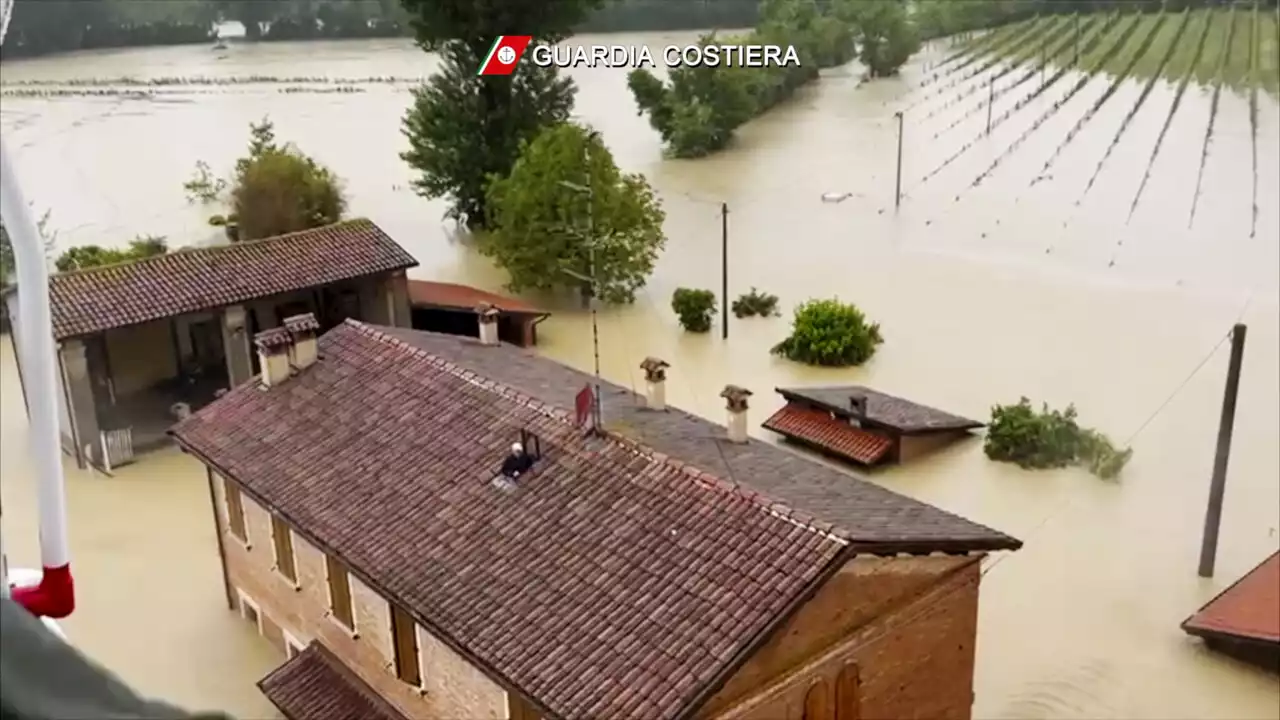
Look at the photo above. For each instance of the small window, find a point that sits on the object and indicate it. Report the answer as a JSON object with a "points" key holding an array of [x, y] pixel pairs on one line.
{"points": [[282, 537], [340, 593], [235, 511], [405, 633]]}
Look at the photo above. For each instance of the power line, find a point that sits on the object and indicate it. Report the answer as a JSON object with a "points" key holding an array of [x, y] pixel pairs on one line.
{"points": [[1178, 389]]}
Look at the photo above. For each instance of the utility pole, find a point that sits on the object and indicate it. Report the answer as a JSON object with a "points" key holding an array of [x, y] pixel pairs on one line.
{"points": [[991, 102], [590, 278], [897, 184], [1218, 483], [724, 270]]}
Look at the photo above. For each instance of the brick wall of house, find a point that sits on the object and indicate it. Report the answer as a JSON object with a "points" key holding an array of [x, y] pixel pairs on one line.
{"points": [[451, 687], [904, 627]]}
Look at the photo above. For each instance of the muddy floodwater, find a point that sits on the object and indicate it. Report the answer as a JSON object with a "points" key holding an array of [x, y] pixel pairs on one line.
{"points": [[985, 292]]}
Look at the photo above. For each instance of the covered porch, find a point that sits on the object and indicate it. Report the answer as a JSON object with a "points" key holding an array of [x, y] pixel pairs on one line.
{"points": [[143, 378]]}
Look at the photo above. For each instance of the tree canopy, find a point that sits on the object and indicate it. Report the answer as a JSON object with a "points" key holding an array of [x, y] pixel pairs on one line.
{"points": [[87, 256], [564, 196], [275, 189], [884, 33], [463, 128]]}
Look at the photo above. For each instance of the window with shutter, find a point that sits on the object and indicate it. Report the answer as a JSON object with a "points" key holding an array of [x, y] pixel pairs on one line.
{"points": [[339, 593], [404, 632], [282, 537], [848, 693], [235, 511], [817, 704]]}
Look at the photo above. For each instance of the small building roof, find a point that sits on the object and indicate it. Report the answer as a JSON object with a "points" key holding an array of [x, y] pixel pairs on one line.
{"points": [[817, 428], [1249, 609], [883, 410], [315, 685], [641, 581], [451, 296], [84, 302]]}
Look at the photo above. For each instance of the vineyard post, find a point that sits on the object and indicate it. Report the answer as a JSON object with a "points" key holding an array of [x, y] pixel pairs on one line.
{"points": [[724, 270], [991, 101], [897, 185], [1076, 63]]}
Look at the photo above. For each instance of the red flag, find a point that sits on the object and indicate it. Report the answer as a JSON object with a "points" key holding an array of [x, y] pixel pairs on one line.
{"points": [[505, 54]]}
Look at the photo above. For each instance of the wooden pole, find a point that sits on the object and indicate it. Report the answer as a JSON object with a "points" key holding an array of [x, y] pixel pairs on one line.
{"points": [[1217, 485], [991, 102], [897, 192], [724, 270]]}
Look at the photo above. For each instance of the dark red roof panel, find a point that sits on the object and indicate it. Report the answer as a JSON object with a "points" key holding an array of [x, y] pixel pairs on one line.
{"points": [[612, 582], [818, 428], [84, 302], [1249, 609], [314, 685], [463, 297]]}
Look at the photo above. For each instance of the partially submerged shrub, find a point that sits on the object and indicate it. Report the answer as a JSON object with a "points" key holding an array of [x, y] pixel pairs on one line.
{"points": [[695, 308], [831, 333], [755, 303], [1050, 439]]}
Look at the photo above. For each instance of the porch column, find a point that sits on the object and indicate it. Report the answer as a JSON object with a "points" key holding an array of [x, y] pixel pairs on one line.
{"points": [[235, 344], [81, 403], [397, 290]]}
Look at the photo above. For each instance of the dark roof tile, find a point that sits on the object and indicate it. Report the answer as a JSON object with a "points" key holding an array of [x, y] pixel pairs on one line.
{"points": [[885, 410], [88, 301], [315, 685], [870, 516], [383, 454]]}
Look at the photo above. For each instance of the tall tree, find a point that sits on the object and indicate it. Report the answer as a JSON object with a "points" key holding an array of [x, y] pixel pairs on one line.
{"points": [[463, 128], [566, 213]]}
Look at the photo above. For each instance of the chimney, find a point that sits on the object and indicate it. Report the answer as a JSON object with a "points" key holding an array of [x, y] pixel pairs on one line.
{"points": [[858, 406], [655, 378], [302, 331], [488, 323], [274, 347], [736, 403]]}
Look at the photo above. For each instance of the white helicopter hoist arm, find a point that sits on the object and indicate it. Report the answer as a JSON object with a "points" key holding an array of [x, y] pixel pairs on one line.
{"points": [[54, 595]]}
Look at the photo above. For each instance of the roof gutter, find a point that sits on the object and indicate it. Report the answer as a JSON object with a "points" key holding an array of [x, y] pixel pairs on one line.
{"points": [[54, 595], [766, 633]]}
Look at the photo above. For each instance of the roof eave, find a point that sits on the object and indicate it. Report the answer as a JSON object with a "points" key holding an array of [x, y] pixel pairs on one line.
{"points": [[996, 542]]}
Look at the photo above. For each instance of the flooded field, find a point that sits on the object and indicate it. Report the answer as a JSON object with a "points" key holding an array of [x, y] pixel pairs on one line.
{"points": [[1014, 266]]}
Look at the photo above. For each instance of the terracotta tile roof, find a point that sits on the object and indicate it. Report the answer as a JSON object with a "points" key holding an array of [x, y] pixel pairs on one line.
{"points": [[818, 428], [1248, 609], [463, 297], [191, 280], [873, 518], [884, 410], [314, 685], [611, 583]]}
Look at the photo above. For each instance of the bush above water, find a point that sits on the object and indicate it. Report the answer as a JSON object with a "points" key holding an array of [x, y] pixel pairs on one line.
{"points": [[1050, 439], [830, 333], [755, 303], [695, 308]]}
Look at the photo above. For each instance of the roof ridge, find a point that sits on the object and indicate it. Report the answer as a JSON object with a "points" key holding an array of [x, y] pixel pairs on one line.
{"points": [[701, 477], [211, 250]]}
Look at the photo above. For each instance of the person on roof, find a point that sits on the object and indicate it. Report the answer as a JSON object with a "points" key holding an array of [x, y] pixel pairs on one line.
{"points": [[42, 677], [517, 463]]}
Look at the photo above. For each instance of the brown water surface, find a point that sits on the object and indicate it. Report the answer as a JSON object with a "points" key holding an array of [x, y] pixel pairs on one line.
{"points": [[1010, 290]]}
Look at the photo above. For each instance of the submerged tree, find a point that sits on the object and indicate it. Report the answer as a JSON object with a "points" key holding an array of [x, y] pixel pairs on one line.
{"points": [[565, 197], [884, 32], [463, 128], [276, 189]]}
